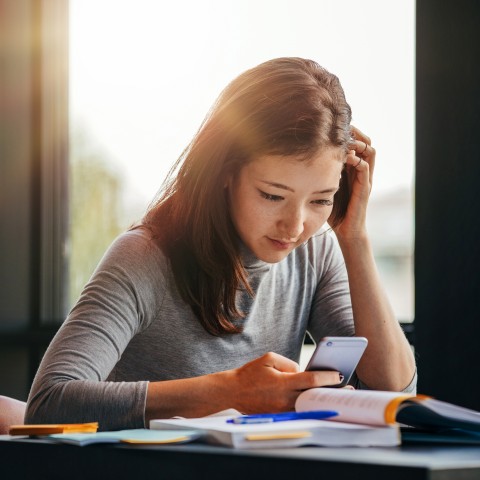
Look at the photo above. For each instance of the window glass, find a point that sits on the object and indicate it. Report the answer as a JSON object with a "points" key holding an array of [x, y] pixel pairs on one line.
{"points": [[144, 73]]}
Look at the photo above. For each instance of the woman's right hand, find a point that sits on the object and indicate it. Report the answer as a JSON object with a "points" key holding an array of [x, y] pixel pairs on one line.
{"points": [[272, 383]]}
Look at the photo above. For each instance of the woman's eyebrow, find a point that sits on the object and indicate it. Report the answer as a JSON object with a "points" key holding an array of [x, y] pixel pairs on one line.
{"points": [[285, 187], [278, 185]]}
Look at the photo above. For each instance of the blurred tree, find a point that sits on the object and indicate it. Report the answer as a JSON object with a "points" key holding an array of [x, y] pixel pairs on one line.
{"points": [[95, 201]]}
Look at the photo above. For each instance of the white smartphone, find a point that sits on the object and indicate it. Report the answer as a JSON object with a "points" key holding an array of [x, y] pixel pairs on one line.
{"points": [[340, 354]]}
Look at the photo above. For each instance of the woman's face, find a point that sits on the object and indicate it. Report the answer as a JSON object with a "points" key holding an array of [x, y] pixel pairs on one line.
{"points": [[278, 203]]}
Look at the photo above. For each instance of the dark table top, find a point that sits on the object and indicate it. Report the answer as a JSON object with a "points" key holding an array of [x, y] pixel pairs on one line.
{"points": [[40, 458]]}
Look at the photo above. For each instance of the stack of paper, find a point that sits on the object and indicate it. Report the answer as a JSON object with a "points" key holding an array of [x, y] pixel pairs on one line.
{"points": [[291, 433]]}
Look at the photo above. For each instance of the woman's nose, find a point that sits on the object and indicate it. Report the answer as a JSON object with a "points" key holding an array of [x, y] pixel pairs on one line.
{"points": [[292, 224]]}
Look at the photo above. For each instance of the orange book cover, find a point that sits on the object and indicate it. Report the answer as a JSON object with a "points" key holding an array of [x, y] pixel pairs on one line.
{"points": [[47, 429]]}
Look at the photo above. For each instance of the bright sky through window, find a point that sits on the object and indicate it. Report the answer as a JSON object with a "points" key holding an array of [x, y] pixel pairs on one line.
{"points": [[144, 73]]}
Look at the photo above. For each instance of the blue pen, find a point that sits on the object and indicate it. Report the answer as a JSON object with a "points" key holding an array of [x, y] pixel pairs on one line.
{"points": [[282, 417]]}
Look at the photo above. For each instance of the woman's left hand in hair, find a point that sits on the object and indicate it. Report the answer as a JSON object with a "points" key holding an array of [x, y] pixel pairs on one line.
{"points": [[359, 169], [388, 362]]}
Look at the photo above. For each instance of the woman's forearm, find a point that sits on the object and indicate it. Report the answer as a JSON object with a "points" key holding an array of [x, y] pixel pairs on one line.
{"points": [[190, 397], [270, 383], [388, 362]]}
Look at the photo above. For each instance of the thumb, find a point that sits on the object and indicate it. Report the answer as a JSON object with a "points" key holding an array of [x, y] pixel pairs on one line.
{"points": [[280, 363]]}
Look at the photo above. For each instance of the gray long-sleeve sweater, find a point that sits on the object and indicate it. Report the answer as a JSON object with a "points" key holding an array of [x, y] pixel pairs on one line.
{"points": [[130, 326]]}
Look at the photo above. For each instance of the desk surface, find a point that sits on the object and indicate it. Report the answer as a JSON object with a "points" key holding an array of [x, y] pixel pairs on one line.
{"points": [[26, 458]]}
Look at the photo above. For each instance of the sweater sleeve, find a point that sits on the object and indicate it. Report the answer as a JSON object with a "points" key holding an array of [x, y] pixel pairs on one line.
{"points": [[119, 300]]}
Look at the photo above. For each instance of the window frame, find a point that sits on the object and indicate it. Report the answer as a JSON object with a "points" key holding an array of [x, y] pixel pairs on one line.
{"points": [[34, 41]]}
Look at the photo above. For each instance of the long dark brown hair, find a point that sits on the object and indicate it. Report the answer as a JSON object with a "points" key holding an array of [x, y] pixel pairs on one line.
{"points": [[285, 106]]}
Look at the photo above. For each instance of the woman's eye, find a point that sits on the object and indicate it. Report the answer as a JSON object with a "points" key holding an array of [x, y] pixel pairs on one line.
{"points": [[324, 202], [272, 198]]}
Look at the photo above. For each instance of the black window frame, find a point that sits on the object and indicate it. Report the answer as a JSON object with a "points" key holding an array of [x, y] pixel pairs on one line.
{"points": [[35, 194]]}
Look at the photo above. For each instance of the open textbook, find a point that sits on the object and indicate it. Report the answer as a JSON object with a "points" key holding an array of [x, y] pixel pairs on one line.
{"points": [[365, 418], [374, 407]]}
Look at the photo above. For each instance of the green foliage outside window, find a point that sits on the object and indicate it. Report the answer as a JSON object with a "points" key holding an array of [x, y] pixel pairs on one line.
{"points": [[95, 191]]}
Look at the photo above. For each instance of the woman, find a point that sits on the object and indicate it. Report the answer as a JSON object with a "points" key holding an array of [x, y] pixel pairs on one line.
{"points": [[204, 305]]}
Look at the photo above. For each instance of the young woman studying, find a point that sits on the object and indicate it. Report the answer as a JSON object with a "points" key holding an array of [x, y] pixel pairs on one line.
{"points": [[204, 305]]}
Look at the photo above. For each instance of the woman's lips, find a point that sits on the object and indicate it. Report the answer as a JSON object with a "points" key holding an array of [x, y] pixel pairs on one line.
{"points": [[280, 244]]}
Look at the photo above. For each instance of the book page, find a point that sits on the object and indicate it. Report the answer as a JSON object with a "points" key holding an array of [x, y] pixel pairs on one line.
{"points": [[369, 407]]}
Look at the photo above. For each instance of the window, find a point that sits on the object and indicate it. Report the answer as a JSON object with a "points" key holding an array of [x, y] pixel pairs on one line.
{"points": [[143, 75]]}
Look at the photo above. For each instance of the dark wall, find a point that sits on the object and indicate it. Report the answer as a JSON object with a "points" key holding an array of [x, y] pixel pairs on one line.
{"points": [[28, 31], [15, 192], [447, 247]]}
